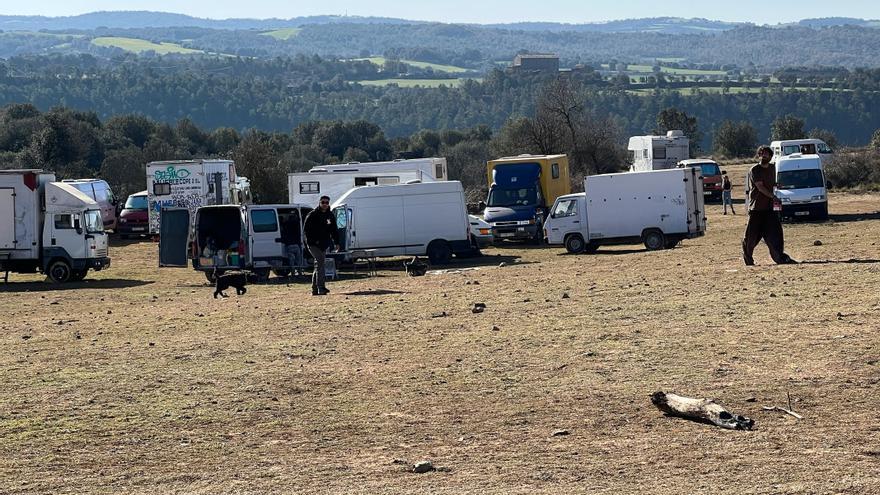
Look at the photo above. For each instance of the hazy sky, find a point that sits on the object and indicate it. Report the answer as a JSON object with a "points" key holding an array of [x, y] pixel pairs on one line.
{"points": [[571, 11]]}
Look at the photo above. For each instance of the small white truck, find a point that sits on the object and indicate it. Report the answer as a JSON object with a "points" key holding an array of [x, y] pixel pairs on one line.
{"points": [[658, 208], [658, 152], [189, 184], [334, 180], [50, 227]]}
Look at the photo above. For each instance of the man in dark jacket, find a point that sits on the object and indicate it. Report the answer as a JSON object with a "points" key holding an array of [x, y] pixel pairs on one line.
{"points": [[321, 233], [763, 221]]}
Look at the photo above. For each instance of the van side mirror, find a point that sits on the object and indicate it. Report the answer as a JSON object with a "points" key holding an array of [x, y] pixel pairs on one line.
{"points": [[77, 226]]}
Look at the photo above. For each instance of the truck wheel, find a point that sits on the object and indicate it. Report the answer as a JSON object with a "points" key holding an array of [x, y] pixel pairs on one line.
{"points": [[59, 271], [78, 275], [262, 275], [671, 243], [591, 247], [654, 240], [575, 244], [439, 252]]}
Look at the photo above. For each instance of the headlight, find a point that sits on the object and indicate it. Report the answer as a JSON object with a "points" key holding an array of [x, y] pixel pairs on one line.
{"points": [[818, 197], [785, 200], [122, 220]]}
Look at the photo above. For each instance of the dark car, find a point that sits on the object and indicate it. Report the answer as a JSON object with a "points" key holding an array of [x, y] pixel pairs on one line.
{"points": [[134, 218], [711, 173]]}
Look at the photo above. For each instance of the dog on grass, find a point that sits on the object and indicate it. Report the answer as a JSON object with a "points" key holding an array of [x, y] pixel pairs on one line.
{"points": [[415, 267], [231, 279]]}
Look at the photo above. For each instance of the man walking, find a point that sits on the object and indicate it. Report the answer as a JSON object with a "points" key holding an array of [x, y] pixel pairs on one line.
{"points": [[726, 187], [763, 221], [320, 230]]}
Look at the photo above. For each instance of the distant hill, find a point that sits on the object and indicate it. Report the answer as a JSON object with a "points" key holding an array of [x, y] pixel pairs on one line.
{"points": [[838, 21], [666, 25]]}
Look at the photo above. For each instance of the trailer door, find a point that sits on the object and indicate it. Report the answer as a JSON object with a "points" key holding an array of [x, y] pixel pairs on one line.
{"points": [[696, 221], [174, 237], [7, 218]]}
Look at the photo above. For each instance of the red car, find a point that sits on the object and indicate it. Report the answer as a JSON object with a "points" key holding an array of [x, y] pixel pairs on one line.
{"points": [[711, 173], [134, 218]]}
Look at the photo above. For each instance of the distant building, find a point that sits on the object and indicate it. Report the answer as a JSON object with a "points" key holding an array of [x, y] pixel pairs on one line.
{"points": [[536, 62]]}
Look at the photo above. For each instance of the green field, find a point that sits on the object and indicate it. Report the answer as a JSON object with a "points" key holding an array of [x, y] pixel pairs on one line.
{"points": [[138, 45], [283, 34], [421, 65], [679, 72], [418, 83]]}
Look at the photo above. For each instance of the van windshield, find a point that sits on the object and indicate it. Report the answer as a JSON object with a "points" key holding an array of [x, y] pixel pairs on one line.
{"points": [[708, 169], [136, 203], [94, 223], [513, 197], [799, 179]]}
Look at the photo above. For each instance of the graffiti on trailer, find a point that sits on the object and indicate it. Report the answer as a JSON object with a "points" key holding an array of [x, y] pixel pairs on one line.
{"points": [[171, 173]]}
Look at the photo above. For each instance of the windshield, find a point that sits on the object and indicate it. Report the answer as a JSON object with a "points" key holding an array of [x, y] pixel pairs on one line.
{"points": [[799, 179], [94, 224], [136, 203], [708, 169], [513, 197], [823, 148]]}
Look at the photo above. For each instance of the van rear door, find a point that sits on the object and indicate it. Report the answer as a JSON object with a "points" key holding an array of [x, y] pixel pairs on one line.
{"points": [[173, 237], [265, 237]]}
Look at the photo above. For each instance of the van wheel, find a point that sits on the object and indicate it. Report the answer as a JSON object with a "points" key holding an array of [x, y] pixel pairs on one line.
{"points": [[210, 276], [281, 272], [671, 243], [59, 271], [78, 275], [591, 247], [439, 252], [654, 240], [262, 275], [575, 244]]}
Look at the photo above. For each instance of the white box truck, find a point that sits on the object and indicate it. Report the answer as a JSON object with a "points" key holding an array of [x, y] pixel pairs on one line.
{"points": [[189, 184], [406, 220], [658, 152], [657, 208], [334, 180], [50, 227]]}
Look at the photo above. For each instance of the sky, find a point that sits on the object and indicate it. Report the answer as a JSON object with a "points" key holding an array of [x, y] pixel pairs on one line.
{"points": [[471, 11]]}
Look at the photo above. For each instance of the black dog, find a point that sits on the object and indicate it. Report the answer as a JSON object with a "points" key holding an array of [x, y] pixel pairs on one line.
{"points": [[233, 279], [415, 267]]}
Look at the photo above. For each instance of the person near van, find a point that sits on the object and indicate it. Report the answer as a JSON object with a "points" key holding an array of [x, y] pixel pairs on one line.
{"points": [[321, 233], [291, 238], [726, 187], [763, 222]]}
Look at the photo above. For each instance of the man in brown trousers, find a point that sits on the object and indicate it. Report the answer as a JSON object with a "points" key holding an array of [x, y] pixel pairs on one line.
{"points": [[763, 223]]}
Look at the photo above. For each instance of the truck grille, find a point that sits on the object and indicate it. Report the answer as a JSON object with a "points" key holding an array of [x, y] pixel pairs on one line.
{"points": [[101, 253]]}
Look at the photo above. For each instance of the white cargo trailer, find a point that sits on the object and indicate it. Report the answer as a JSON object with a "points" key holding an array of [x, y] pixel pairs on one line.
{"points": [[657, 208], [189, 184], [50, 227], [658, 152], [334, 180], [406, 220]]}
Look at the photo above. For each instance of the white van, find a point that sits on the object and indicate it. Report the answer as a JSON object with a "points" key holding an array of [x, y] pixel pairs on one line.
{"points": [[406, 220], [657, 208], [802, 146], [800, 186], [101, 193]]}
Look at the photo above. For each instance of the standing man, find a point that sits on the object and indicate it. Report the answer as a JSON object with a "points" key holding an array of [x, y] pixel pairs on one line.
{"points": [[763, 221], [320, 230], [726, 187]]}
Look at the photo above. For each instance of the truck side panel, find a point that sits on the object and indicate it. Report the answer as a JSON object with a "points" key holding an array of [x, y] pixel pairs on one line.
{"points": [[433, 216], [7, 218], [20, 214]]}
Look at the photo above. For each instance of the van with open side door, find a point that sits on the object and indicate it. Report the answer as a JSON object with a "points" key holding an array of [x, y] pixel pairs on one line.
{"points": [[232, 237]]}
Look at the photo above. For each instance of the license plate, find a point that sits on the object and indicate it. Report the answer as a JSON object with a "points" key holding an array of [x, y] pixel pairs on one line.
{"points": [[801, 213], [505, 234], [707, 193], [138, 229]]}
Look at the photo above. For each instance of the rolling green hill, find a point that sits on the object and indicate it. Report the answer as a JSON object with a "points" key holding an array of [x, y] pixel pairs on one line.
{"points": [[283, 34], [422, 65], [138, 45]]}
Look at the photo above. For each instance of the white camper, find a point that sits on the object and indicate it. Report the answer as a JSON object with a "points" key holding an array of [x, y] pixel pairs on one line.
{"points": [[50, 227], [334, 180], [406, 220], [189, 184], [801, 146], [657, 208], [658, 152]]}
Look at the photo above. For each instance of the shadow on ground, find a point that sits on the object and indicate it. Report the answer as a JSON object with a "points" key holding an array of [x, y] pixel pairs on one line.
{"points": [[108, 283]]}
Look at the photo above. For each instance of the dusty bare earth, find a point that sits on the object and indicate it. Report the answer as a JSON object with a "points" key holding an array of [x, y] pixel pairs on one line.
{"points": [[137, 381]]}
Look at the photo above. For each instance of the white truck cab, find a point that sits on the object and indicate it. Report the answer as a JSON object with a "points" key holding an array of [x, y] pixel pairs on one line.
{"points": [[800, 186]]}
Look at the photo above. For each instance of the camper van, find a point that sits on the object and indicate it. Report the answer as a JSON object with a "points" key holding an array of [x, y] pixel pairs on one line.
{"points": [[233, 237], [800, 186], [50, 227], [428, 219], [802, 146], [101, 193], [334, 180], [189, 184], [657, 208], [658, 152]]}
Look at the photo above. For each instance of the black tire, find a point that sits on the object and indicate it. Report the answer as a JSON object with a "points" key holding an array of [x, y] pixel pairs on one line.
{"points": [[671, 243], [262, 275], [78, 275], [210, 276], [281, 272], [538, 238], [575, 244], [654, 240], [124, 236], [439, 252], [59, 271]]}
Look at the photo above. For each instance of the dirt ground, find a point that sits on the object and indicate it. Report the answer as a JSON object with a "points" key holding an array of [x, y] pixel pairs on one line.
{"points": [[138, 381]]}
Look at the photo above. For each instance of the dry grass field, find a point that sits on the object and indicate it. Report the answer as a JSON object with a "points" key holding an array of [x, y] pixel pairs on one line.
{"points": [[138, 381]]}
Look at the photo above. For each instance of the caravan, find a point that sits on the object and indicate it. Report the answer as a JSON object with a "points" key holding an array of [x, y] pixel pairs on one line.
{"points": [[658, 152], [801, 146], [335, 180]]}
